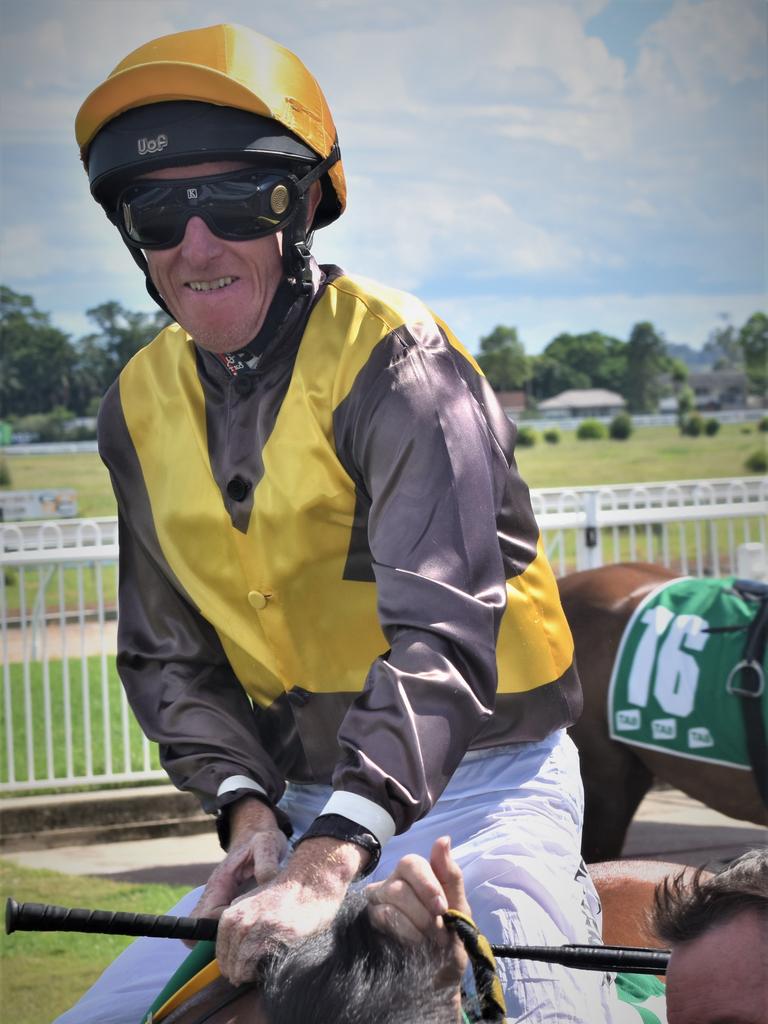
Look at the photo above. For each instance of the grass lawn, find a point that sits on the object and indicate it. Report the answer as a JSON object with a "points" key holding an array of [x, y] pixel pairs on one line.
{"points": [[651, 453], [101, 717], [83, 471], [43, 974]]}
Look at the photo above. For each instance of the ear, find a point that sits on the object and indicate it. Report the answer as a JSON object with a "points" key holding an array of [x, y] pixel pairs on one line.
{"points": [[313, 201]]}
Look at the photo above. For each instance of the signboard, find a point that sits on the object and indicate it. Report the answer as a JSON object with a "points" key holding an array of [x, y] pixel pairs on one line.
{"points": [[48, 504]]}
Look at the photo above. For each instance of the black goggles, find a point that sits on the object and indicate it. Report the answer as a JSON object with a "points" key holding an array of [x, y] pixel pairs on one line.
{"points": [[239, 205]]}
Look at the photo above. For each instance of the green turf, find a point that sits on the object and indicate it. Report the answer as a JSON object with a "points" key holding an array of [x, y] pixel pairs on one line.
{"points": [[651, 453], [25, 741], [83, 471], [43, 974]]}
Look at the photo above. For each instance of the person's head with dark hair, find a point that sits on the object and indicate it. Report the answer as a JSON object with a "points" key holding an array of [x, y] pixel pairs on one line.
{"points": [[718, 930], [366, 976]]}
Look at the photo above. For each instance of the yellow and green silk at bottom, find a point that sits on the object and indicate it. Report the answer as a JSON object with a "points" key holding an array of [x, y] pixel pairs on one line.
{"points": [[644, 993]]}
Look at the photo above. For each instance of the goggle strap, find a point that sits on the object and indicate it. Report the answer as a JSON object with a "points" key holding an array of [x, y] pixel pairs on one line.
{"points": [[319, 169]]}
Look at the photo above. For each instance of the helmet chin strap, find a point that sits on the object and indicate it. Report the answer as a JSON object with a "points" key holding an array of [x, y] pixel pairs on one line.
{"points": [[296, 256]]}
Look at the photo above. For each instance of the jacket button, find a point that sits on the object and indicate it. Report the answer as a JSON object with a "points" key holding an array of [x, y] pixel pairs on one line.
{"points": [[257, 600], [237, 488]]}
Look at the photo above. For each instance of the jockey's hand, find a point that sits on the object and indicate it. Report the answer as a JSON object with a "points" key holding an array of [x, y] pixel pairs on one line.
{"points": [[257, 846], [303, 898], [411, 902]]}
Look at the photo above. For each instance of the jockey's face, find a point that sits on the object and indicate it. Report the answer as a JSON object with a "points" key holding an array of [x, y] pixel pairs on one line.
{"points": [[721, 976], [218, 290]]}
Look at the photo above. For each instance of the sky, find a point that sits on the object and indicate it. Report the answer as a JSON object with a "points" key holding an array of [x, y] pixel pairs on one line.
{"points": [[554, 166]]}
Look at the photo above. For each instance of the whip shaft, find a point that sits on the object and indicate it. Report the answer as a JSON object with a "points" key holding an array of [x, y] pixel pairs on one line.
{"points": [[47, 917], [637, 960]]}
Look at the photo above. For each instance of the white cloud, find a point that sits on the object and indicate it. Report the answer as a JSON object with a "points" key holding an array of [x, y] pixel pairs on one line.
{"points": [[697, 44], [405, 237]]}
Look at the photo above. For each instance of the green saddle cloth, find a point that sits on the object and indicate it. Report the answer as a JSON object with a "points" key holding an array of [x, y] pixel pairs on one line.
{"points": [[669, 689], [646, 994]]}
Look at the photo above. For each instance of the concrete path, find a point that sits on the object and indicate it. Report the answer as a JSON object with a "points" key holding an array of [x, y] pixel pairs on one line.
{"points": [[668, 826]]}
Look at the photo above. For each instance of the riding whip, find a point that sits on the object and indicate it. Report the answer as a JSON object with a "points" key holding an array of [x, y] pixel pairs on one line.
{"points": [[47, 917]]}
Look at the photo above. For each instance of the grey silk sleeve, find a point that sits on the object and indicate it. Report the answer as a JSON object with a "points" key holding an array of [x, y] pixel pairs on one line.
{"points": [[431, 479]]}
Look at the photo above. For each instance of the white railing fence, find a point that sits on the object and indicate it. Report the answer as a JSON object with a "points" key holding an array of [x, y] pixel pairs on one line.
{"points": [[65, 719]]}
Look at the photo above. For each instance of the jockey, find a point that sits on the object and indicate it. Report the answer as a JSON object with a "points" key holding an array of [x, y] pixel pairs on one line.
{"points": [[337, 618]]}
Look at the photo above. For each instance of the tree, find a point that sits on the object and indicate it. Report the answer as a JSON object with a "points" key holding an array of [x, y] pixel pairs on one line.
{"points": [[36, 358], [503, 360], [580, 361], [102, 355], [753, 341], [723, 348], [647, 359], [686, 402]]}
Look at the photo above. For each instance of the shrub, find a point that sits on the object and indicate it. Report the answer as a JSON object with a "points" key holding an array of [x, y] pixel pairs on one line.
{"points": [[590, 430], [763, 424], [711, 427], [757, 461], [746, 430], [526, 437], [552, 436], [621, 426], [5, 473], [693, 425]]}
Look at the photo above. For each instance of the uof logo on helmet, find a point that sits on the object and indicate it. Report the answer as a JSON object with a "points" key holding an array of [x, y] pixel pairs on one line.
{"points": [[153, 145]]}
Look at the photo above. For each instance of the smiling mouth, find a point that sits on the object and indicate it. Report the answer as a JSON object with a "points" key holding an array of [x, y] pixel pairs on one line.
{"points": [[210, 286]]}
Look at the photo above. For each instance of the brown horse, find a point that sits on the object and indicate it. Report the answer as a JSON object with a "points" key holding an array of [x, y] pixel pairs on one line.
{"points": [[598, 604]]}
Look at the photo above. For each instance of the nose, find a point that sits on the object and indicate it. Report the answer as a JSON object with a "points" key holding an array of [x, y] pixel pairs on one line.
{"points": [[199, 244]]}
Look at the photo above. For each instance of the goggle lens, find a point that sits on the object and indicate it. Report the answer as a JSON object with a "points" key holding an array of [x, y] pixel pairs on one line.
{"points": [[244, 205]]}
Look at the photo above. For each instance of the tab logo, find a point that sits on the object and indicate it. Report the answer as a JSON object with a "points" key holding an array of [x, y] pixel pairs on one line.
{"points": [[148, 146], [191, 193], [628, 721], [664, 728], [700, 737]]}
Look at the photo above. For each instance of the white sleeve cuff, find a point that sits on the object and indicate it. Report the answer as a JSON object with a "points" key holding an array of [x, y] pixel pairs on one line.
{"points": [[363, 811], [239, 782]]}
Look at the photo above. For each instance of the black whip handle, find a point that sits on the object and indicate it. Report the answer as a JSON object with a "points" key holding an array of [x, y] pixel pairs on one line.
{"points": [[47, 917], [634, 959]]}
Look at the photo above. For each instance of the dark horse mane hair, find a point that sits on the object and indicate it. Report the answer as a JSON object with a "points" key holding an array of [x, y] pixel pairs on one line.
{"points": [[354, 974]]}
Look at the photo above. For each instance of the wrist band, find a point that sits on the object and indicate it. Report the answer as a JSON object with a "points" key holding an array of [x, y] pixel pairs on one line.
{"points": [[336, 826]]}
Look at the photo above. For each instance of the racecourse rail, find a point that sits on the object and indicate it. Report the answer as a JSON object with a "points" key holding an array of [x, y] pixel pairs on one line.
{"points": [[65, 720]]}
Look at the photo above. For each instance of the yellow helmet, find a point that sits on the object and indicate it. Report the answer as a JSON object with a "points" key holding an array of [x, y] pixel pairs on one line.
{"points": [[223, 92]]}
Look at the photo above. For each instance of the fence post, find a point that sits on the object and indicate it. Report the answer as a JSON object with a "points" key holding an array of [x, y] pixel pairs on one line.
{"points": [[589, 551], [752, 561]]}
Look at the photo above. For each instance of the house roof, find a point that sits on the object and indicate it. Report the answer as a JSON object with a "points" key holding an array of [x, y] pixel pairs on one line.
{"points": [[511, 399], [583, 398]]}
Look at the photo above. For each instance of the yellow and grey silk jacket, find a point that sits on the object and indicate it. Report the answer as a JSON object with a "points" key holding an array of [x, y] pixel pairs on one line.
{"points": [[329, 567]]}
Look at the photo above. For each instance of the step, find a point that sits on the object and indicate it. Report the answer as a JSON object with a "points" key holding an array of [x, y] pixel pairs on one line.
{"points": [[101, 816]]}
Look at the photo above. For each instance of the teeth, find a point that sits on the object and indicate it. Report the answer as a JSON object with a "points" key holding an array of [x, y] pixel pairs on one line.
{"points": [[210, 286]]}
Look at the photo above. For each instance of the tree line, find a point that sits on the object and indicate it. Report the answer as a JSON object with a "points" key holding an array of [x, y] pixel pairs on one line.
{"points": [[43, 369], [45, 372], [639, 369]]}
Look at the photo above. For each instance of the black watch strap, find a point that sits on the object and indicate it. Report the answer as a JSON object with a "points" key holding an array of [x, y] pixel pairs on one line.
{"points": [[336, 826]]}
